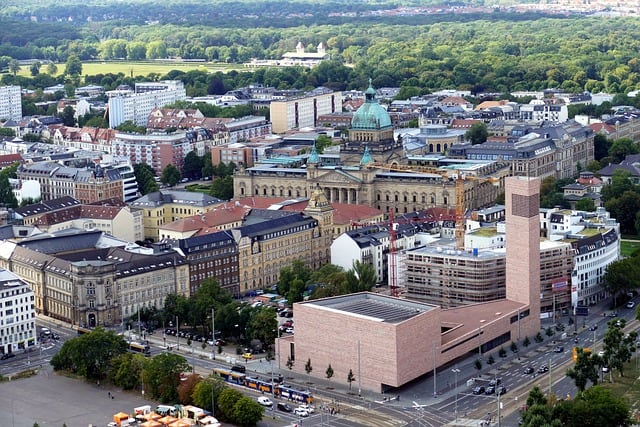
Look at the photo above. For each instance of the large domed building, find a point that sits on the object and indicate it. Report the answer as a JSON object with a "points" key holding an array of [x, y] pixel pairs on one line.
{"points": [[371, 130]]}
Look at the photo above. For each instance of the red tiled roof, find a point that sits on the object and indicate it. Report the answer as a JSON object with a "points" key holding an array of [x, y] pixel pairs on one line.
{"points": [[9, 159]]}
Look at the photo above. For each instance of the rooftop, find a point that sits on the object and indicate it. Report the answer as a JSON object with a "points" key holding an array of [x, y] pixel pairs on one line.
{"points": [[375, 307]]}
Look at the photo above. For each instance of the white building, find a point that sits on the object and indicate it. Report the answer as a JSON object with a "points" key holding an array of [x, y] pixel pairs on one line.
{"points": [[137, 106], [303, 111], [10, 103], [595, 239], [25, 189], [17, 314], [538, 110]]}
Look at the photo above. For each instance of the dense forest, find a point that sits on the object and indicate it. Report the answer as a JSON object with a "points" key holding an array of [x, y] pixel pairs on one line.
{"points": [[495, 51]]}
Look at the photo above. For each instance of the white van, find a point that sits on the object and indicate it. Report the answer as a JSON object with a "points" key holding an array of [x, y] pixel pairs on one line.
{"points": [[165, 410]]}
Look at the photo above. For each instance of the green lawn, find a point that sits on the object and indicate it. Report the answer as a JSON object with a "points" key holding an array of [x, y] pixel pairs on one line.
{"points": [[141, 68], [627, 248]]}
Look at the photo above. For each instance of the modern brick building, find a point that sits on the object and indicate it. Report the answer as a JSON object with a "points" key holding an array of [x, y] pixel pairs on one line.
{"points": [[387, 342]]}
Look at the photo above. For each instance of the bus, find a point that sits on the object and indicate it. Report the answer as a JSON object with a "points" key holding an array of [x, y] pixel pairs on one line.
{"points": [[143, 349]]}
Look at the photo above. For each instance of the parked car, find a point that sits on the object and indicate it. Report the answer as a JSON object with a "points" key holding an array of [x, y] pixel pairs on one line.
{"points": [[631, 304], [558, 349], [55, 336], [301, 412], [478, 390], [605, 369], [528, 370], [309, 408], [613, 314], [289, 330], [247, 356], [265, 401], [285, 407], [542, 369]]}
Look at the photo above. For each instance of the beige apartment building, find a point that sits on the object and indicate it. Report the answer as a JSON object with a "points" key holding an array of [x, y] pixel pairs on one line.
{"points": [[163, 207], [99, 287], [300, 112]]}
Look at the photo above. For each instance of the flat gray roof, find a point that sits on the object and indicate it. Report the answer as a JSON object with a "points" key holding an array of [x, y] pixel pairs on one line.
{"points": [[373, 306]]}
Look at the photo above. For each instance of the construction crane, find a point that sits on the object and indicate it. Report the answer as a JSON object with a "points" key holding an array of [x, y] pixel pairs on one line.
{"points": [[454, 175]]}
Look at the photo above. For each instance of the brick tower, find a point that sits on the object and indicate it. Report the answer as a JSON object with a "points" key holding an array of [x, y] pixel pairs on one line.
{"points": [[522, 200]]}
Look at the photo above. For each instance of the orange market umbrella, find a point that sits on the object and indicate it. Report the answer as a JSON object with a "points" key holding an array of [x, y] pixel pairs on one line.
{"points": [[152, 416], [151, 423], [181, 423], [167, 420]]}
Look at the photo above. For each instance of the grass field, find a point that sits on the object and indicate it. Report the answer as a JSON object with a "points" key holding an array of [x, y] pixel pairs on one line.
{"points": [[141, 68], [627, 247]]}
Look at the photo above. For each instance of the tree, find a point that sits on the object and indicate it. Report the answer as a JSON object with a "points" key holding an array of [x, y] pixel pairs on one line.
{"points": [[73, 66], [290, 362], [247, 412], [226, 402], [7, 132], [170, 175], [207, 392], [6, 193], [68, 116], [263, 325], [126, 370], [52, 69], [618, 347], [88, 355], [187, 387], [621, 148], [477, 133], [130, 127], [584, 370], [526, 342], [207, 167], [491, 360], [360, 278], [192, 166], [621, 276], [162, 376], [586, 205], [34, 69], [329, 372], [308, 368], [350, 379], [14, 66], [222, 188], [145, 176]]}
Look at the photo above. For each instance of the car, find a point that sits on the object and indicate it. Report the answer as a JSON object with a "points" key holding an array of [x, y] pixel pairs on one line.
{"points": [[490, 390], [309, 408], [542, 369], [593, 327], [285, 407], [631, 304], [259, 292], [289, 330], [478, 390], [558, 349], [601, 353], [613, 314], [55, 337], [221, 342], [501, 390], [605, 369], [45, 332], [301, 412], [495, 381], [239, 368], [265, 401], [247, 356], [528, 370], [6, 356]]}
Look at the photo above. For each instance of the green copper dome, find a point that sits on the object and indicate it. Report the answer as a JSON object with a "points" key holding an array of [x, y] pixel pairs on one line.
{"points": [[371, 115]]}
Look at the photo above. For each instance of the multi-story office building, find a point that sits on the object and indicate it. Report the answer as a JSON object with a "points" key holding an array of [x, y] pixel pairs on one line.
{"points": [[10, 103], [17, 314], [136, 107], [538, 110], [299, 112]]}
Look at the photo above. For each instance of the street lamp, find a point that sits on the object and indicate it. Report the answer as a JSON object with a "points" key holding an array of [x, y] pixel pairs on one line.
{"points": [[213, 335], [456, 371]]}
